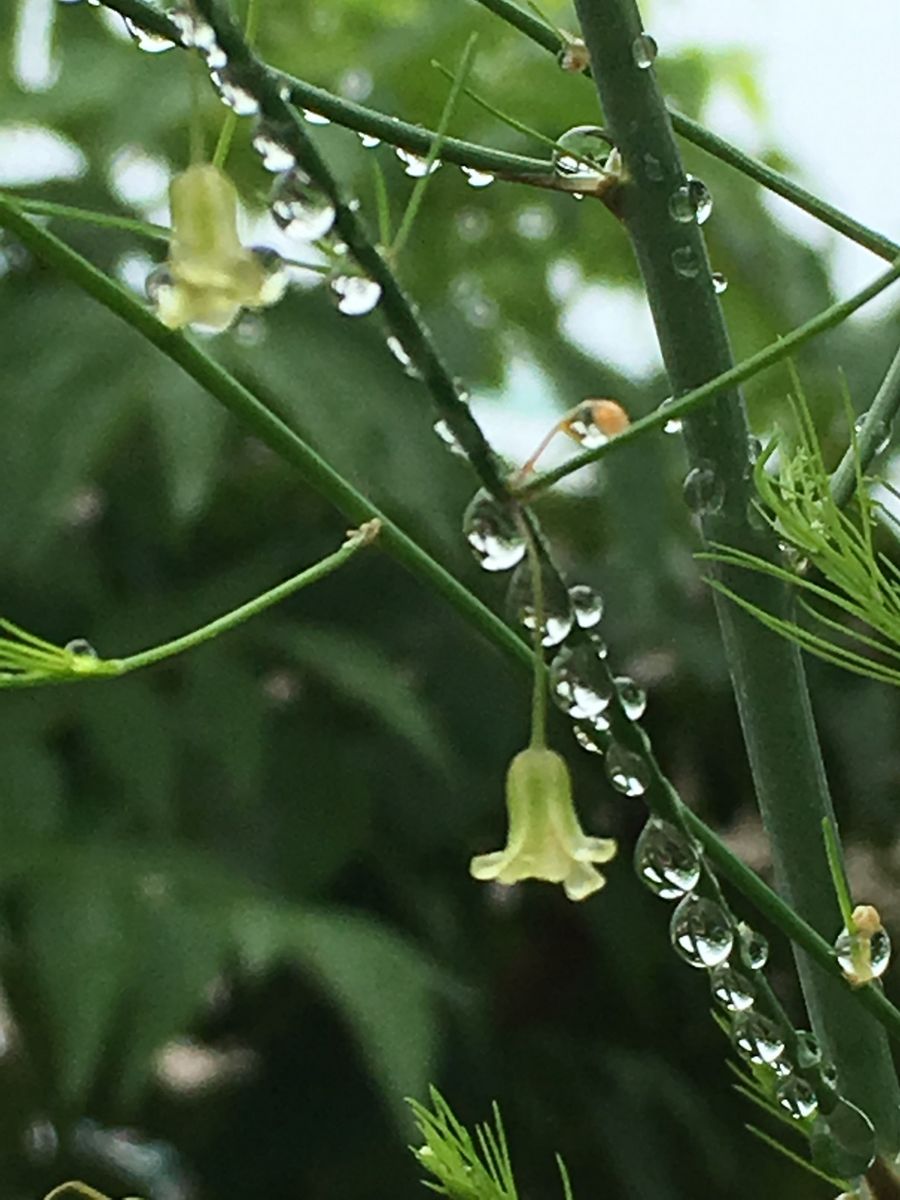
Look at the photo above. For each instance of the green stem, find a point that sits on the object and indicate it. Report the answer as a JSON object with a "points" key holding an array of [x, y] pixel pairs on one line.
{"points": [[539, 684], [66, 212], [727, 379], [229, 125], [838, 874], [271, 430], [767, 672], [418, 193], [876, 423], [355, 542], [545, 35]]}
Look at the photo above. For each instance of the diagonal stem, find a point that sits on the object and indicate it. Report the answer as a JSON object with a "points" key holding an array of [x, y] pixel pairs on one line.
{"points": [[767, 672], [876, 424]]}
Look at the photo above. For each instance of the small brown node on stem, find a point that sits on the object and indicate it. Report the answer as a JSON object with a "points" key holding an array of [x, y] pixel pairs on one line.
{"points": [[594, 422], [574, 55], [867, 919], [367, 532]]}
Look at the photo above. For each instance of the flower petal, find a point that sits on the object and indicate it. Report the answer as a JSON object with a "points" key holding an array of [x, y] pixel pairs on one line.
{"points": [[582, 881], [488, 866]]}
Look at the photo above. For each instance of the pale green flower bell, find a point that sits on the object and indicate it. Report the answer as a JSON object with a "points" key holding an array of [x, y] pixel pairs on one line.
{"points": [[210, 276], [545, 838]]}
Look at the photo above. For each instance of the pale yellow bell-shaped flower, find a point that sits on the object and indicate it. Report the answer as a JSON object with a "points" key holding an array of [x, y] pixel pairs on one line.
{"points": [[545, 838], [210, 276]]}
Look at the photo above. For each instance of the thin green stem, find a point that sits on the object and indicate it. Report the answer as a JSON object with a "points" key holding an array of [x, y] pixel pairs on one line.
{"points": [[418, 193], [382, 204], [767, 672], [875, 427], [229, 125], [271, 430], [539, 683], [66, 212], [196, 140], [228, 621], [723, 382], [838, 874], [545, 35]]}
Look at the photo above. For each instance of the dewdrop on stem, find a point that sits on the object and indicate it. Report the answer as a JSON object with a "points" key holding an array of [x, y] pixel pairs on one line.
{"points": [[863, 954]]}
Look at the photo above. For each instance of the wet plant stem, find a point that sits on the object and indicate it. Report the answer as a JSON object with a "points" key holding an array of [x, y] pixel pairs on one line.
{"points": [[265, 424], [767, 672], [539, 684]]}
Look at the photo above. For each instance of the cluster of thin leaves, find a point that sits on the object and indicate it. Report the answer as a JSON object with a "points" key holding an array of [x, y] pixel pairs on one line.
{"points": [[27, 660], [463, 1167], [831, 559]]}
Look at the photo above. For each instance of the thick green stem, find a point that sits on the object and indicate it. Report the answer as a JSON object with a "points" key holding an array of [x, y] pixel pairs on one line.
{"points": [[766, 671]]}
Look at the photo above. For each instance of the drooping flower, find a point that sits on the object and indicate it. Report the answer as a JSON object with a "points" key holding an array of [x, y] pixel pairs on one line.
{"points": [[209, 276], [545, 838]]}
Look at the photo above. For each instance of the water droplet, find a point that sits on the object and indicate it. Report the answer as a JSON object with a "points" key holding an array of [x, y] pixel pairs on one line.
{"points": [[644, 51], [632, 697], [685, 262], [356, 294], [809, 1052], [593, 740], [701, 932], [719, 282], [704, 492], [882, 433], [158, 279], [863, 956], [754, 948], [754, 448], [732, 990], [84, 656], [448, 437], [587, 605], [194, 29], [756, 1038], [369, 141], [674, 424], [666, 860], [579, 682], [627, 771], [414, 165], [653, 169], [797, 1098], [314, 118], [271, 143], [829, 1074], [558, 615], [583, 154], [233, 92], [691, 201], [276, 280], [145, 39], [300, 208], [493, 533], [477, 179], [398, 350]]}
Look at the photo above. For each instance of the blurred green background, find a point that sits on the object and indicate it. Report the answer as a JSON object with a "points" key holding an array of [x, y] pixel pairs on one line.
{"points": [[236, 924]]}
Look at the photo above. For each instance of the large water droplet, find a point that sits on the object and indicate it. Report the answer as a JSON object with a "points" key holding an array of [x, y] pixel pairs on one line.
{"points": [[300, 208], [579, 682], [704, 492], [719, 282], [627, 771], [558, 615], [315, 118], [644, 51], [146, 39], [356, 295], [271, 143], [632, 697], [666, 860], [701, 932], [756, 1038], [415, 165], [276, 277], [492, 531], [691, 202], [753, 947], [732, 990], [234, 91], [583, 154], [587, 605], [882, 433], [809, 1052], [156, 283], [862, 955], [685, 262], [477, 179], [797, 1098]]}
